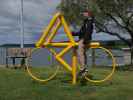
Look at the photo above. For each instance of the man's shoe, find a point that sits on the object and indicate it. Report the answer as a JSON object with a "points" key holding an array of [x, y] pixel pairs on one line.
{"points": [[82, 72]]}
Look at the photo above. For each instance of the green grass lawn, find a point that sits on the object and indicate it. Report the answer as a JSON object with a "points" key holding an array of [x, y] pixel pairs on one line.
{"points": [[17, 85]]}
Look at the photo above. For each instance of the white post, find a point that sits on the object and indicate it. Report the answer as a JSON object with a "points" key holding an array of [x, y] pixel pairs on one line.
{"points": [[22, 25], [127, 56]]}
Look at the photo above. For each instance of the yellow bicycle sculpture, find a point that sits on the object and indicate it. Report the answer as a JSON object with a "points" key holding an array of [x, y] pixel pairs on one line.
{"points": [[46, 42]]}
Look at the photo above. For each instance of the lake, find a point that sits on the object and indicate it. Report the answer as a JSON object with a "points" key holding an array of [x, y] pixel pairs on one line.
{"points": [[43, 57]]}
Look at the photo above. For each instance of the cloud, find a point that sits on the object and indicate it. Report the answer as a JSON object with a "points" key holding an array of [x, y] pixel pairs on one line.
{"points": [[37, 14]]}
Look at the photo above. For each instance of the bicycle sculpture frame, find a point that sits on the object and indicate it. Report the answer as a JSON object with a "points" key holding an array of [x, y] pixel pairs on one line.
{"points": [[45, 41]]}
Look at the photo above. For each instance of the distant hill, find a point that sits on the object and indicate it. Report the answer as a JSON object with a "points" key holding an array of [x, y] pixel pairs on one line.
{"points": [[17, 45]]}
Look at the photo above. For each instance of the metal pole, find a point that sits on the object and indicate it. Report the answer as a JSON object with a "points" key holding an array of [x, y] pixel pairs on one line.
{"points": [[6, 54], [93, 58], [74, 66], [22, 25]]}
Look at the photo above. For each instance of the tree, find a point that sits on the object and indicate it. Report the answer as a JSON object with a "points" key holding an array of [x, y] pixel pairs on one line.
{"points": [[114, 17]]}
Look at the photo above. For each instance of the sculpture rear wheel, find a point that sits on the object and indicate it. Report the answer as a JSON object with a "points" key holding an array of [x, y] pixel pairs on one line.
{"points": [[112, 71]]}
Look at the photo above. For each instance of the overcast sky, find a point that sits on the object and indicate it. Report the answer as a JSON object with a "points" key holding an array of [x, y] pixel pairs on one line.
{"points": [[37, 14]]}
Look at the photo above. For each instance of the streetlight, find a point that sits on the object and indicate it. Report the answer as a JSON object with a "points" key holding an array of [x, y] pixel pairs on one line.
{"points": [[22, 25]]}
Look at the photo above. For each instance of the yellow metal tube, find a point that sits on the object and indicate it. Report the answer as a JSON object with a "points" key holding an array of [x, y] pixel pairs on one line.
{"points": [[62, 44], [53, 33], [36, 77], [45, 32], [66, 65], [64, 51], [67, 30], [74, 66], [94, 44], [56, 44], [52, 51], [111, 73]]}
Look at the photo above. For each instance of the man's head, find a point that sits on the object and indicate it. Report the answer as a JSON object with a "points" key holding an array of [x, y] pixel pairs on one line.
{"points": [[87, 13]]}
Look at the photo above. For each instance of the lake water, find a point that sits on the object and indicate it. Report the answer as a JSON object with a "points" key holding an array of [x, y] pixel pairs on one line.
{"points": [[43, 57]]}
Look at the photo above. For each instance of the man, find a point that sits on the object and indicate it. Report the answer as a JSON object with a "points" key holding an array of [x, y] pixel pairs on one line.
{"points": [[85, 36]]}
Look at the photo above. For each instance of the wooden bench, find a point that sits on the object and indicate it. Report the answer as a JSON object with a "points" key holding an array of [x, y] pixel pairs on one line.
{"points": [[17, 53]]}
